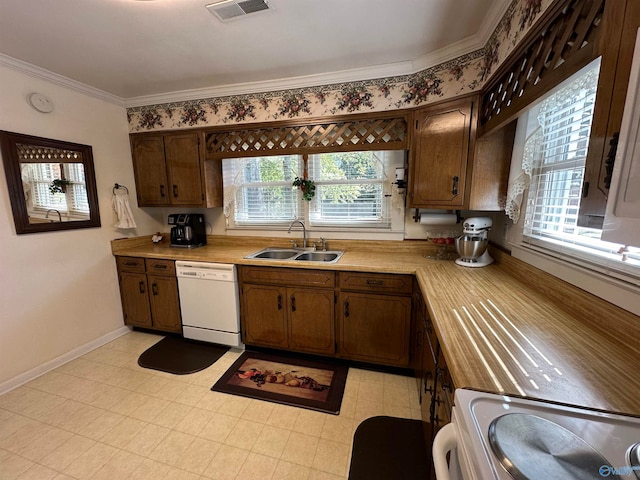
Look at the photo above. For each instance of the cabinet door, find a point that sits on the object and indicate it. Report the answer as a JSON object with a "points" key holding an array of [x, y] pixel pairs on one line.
{"points": [[264, 315], [165, 304], [375, 328], [183, 166], [440, 155], [150, 170], [135, 299], [311, 320]]}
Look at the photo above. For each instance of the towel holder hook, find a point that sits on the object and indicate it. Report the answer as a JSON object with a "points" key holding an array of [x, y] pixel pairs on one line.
{"points": [[117, 186]]}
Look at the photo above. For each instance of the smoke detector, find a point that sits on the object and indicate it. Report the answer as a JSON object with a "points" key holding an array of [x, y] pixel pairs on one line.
{"points": [[227, 10]]}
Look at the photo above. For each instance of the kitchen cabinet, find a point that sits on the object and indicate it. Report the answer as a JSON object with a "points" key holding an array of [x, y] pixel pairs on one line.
{"points": [[622, 218], [440, 154], [167, 169], [374, 318], [451, 169], [149, 293], [616, 49], [288, 308]]}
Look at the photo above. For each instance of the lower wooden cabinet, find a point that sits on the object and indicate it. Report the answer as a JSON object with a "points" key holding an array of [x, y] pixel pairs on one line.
{"points": [[374, 318], [276, 313], [149, 293], [374, 328]]}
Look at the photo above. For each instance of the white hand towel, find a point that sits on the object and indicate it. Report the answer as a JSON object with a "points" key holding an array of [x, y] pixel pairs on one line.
{"points": [[122, 208]]}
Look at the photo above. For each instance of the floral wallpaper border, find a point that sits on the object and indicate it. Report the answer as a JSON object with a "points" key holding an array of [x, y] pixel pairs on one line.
{"points": [[461, 75]]}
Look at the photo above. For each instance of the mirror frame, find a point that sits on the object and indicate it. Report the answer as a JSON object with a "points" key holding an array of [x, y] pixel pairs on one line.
{"points": [[8, 142]]}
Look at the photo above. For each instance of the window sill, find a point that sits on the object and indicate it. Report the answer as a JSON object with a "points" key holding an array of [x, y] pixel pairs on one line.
{"points": [[625, 293]]}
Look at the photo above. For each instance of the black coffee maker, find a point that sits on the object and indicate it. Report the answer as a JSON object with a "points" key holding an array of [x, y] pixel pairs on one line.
{"points": [[188, 230]]}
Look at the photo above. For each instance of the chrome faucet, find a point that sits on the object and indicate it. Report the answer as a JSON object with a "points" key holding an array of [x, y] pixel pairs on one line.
{"points": [[53, 210], [304, 231]]}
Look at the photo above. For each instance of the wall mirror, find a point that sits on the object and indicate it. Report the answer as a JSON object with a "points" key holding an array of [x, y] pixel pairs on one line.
{"points": [[52, 184]]}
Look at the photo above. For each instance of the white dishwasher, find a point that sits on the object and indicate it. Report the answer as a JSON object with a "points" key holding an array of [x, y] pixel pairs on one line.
{"points": [[209, 302]]}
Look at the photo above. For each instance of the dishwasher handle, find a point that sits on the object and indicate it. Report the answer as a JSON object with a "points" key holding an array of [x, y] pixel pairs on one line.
{"points": [[445, 441]]}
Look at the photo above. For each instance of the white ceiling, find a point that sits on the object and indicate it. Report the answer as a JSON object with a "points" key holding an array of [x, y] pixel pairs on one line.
{"points": [[134, 49]]}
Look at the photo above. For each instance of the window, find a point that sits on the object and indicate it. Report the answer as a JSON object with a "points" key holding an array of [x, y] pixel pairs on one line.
{"points": [[353, 190], [556, 151], [72, 201]]}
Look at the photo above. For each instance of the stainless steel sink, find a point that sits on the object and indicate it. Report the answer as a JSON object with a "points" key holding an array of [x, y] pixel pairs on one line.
{"points": [[319, 256], [302, 255]]}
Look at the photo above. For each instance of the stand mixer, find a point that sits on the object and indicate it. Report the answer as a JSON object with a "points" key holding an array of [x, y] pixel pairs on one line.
{"points": [[472, 244]]}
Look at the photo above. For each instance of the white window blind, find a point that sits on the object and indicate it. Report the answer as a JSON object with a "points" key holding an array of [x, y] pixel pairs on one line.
{"points": [[259, 190], [350, 190], [561, 143], [37, 178]]}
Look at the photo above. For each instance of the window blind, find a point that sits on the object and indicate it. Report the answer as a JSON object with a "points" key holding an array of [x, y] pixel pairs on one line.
{"points": [[555, 191]]}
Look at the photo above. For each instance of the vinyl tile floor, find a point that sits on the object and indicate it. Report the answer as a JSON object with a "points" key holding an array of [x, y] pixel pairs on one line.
{"points": [[102, 417]]}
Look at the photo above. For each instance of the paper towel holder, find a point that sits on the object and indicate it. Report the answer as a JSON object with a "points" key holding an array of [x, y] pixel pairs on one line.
{"points": [[416, 216]]}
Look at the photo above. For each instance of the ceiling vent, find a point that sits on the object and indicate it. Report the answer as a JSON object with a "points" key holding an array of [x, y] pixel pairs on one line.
{"points": [[232, 9]]}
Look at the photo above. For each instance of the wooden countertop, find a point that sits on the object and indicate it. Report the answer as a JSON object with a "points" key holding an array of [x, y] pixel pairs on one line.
{"points": [[507, 328]]}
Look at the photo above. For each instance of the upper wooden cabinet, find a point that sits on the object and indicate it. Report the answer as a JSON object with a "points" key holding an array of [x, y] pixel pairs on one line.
{"points": [[440, 155], [449, 168], [168, 169], [616, 45]]}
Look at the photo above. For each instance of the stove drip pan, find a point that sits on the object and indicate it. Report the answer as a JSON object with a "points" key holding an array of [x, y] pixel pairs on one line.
{"points": [[531, 448]]}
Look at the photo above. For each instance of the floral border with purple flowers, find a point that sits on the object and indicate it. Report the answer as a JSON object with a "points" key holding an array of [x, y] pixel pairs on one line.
{"points": [[464, 74]]}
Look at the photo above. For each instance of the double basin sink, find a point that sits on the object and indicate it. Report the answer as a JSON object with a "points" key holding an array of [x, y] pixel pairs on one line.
{"points": [[288, 254]]}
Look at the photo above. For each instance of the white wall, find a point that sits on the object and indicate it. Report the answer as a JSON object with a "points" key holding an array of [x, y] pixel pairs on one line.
{"points": [[59, 290]]}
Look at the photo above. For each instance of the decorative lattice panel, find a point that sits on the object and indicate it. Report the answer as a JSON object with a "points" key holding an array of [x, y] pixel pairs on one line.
{"points": [[563, 38], [40, 154], [382, 134]]}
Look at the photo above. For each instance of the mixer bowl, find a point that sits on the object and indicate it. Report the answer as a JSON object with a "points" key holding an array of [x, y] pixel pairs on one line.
{"points": [[471, 247]]}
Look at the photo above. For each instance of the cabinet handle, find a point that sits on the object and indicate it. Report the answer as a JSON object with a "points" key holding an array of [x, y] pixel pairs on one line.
{"points": [[375, 282], [141, 286], [175, 191], [346, 309], [279, 302], [611, 159], [160, 267], [162, 191], [293, 303], [130, 264], [154, 289], [454, 187]]}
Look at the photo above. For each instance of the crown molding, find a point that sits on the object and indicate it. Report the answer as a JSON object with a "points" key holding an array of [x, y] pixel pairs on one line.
{"points": [[60, 80], [329, 78]]}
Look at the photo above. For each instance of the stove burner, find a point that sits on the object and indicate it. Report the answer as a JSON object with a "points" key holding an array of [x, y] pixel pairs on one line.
{"points": [[530, 448], [633, 457]]}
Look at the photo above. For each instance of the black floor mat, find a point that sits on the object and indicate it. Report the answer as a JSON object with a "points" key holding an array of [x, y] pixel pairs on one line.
{"points": [[181, 356], [388, 448]]}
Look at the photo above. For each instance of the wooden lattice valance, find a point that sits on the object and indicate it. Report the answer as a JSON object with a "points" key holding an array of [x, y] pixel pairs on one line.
{"points": [[337, 135], [563, 42]]}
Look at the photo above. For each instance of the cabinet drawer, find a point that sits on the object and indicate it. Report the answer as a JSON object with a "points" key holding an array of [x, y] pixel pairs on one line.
{"points": [[130, 264], [288, 276], [161, 267], [376, 282]]}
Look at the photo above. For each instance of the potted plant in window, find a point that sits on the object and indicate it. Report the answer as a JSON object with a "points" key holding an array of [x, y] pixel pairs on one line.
{"points": [[59, 185], [308, 187]]}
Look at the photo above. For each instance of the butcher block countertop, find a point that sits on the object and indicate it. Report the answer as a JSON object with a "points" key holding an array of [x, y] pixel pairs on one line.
{"points": [[507, 328]]}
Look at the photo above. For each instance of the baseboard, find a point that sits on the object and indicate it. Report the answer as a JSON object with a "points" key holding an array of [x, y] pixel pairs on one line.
{"points": [[29, 375]]}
